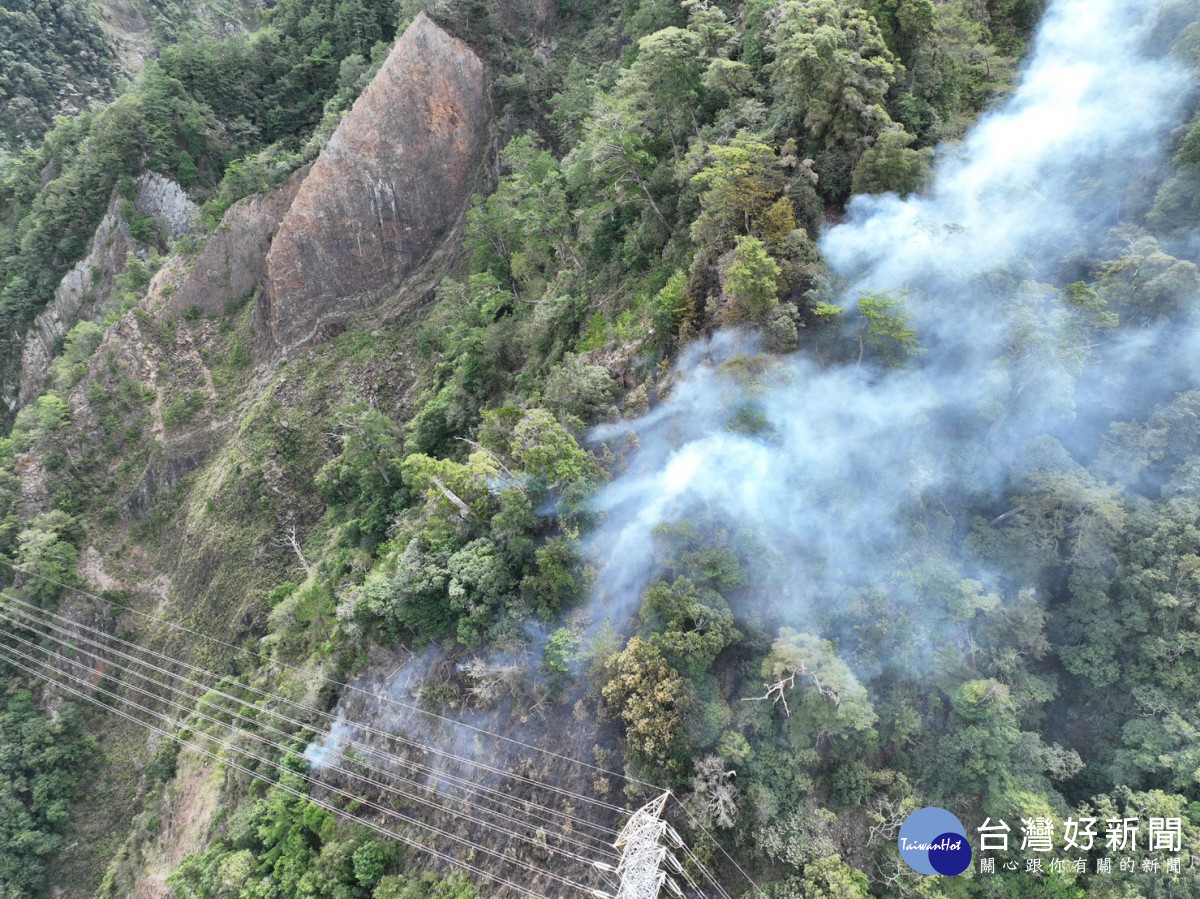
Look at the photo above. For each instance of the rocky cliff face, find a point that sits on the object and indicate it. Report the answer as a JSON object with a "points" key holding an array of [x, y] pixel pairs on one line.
{"points": [[394, 176], [82, 293], [162, 199], [233, 262]]}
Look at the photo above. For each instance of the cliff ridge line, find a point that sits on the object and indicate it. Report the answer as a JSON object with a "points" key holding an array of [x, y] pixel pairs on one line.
{"points": [[393, 178]]}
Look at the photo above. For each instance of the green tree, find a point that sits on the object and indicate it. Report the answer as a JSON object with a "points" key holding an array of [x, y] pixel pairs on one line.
{"points": [[751, 280], [71, 364], [185, 169], [579, 390], [370, 863], [42, 763], [454, 490], [653, 701], [48, 556], [692, 626], [884, 328], [570, 106], [38, 420], [558, 579], [663, 85], [890, 164], [547, 452], [823, 878], [832, 71], [356, 28], [820, 694], [519, 233], [365, 478], [480, 585], [709, 21], [615, 152], [905, 23], [560, 653], [672, 308], [10, 499], [1143, 283], [744, 183]]}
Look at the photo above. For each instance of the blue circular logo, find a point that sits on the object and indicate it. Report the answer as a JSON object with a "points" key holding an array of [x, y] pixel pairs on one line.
{"points": [[933, 841]]}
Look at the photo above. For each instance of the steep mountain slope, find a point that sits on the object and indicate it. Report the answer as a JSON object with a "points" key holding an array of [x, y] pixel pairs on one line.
{"points": [[503, 369], [61, 58]]}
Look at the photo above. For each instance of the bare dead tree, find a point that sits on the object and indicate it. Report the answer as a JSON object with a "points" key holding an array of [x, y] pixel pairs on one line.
{"points": [[290, 540], [464, 511], [490, 681], [714, 797], [775, 691], [1009, 514], [890, 815], [898, 879]]}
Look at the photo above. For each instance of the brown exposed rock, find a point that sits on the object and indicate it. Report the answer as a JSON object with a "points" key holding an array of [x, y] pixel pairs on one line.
{"points": [[233, 261], [393, 177]]}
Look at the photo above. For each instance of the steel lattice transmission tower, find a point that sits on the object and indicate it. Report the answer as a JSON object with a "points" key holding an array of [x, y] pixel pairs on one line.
{"points": [[642, 842]]}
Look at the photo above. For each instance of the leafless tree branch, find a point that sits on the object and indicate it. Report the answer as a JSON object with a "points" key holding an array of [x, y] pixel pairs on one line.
{"points": [[290, 540]]}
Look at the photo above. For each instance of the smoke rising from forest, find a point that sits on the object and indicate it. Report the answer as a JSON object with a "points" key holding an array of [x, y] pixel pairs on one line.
{"points": [[838, 470], [1089, 111], [835, 473]]}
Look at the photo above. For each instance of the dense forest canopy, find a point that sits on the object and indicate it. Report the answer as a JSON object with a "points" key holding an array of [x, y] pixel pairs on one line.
{"points": [[55, 58], [808, 421]]}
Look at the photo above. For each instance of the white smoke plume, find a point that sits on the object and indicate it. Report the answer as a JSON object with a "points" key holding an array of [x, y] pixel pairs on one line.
{"points": [[838, 462], [1090, 107], [326, 751]]}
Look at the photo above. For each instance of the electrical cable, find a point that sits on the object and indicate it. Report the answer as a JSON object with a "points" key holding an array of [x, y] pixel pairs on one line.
{"points": [[307, 777], [291, 736], [353, 797], [425, 712], [331, 718], [404, 763], [407, 706], [522, 891]]}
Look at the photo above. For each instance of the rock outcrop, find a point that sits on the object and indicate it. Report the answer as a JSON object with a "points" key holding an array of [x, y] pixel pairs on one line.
{"points": [[161, 198], [393, 178], [233, 261], [83, 290], [76, 297]]}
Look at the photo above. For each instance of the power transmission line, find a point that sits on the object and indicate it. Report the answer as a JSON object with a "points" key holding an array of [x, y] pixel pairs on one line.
{"points": [[335, 720], [345, 794], [533, 841], [639, 838], [388, 699], [522, 891], [433, 715], [404, 764]]}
